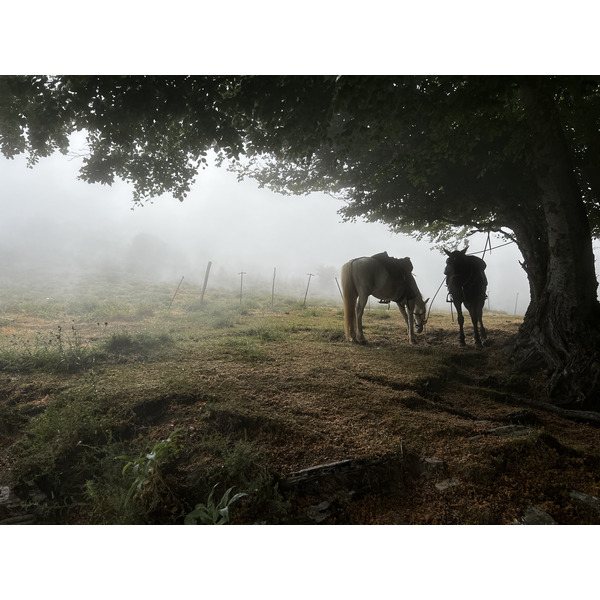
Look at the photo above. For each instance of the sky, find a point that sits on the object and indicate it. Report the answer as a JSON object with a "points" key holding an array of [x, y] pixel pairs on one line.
{"points": [[56, 226]]}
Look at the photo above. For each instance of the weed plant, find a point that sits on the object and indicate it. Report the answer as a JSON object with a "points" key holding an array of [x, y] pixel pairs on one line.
{"points": [[243, 466], [211, 513], [57, 352], [150, 487]]}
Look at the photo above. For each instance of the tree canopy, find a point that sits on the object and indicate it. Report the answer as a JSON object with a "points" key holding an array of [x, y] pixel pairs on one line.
{"points": [[423, 154]]}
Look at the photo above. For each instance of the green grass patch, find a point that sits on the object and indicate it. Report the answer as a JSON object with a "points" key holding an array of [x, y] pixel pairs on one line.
{"points": [[144, 343]]}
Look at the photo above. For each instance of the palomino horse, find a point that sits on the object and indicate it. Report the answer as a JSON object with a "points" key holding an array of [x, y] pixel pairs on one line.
{"points": [[386, 278], [467, 285]]}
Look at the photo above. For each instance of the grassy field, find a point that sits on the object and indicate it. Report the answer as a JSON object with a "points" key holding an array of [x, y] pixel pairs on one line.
{"points": [[117, 407]]}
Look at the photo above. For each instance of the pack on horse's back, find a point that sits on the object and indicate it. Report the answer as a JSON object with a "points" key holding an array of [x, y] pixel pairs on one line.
{"points": [[396, 267]]}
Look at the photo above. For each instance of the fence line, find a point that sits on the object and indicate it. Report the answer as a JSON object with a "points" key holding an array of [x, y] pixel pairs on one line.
{"points": [[488, 248]]}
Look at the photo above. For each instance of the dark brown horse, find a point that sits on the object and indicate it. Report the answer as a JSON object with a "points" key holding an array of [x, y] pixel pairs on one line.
{"points": [[467, 284]]}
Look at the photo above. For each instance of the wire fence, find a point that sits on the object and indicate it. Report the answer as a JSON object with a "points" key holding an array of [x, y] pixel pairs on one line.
{"points": [[325, 291]]}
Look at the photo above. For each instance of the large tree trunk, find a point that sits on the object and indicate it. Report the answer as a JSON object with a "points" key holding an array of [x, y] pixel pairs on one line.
{"points": [[561, 329]]}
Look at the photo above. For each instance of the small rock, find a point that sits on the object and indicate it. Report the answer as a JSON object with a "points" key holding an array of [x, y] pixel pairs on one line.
{"points": [[25, 519], [434, 465], [11, 509], [510, 431], [446, 484], [535, 515], [522, 417], [4, 493], [8, 499], [319, 512], [586, 499]]}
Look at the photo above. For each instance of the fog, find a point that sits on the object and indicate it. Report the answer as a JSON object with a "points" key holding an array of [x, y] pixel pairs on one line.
{"points": [[55, 230]]}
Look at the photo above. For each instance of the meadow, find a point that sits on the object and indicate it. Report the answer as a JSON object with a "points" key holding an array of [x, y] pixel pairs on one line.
{"points": [[120, 404]]}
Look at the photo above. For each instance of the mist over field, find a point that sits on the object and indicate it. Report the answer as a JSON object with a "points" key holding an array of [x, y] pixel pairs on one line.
{"points": [[56, 232]]}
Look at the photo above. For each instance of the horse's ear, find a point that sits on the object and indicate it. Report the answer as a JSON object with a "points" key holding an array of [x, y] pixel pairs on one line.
{"points": [[447, 252], [464, 250], [426, 301]]}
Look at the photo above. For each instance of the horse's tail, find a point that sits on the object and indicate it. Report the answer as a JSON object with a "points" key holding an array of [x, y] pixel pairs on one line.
{"points": [[350, 296]]}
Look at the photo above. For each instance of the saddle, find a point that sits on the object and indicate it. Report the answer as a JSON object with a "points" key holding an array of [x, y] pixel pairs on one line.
{"points": [[477, 263], [397, 268]]}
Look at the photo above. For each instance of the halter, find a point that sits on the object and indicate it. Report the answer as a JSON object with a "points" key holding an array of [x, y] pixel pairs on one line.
{"points": [[421, 315]]}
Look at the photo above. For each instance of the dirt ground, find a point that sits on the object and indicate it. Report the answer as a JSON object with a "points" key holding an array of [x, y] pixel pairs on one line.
{"points": [[430, 433], [325, 400]]}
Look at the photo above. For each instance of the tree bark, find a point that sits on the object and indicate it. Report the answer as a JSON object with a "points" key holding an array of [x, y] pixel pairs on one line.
{"points": [[561, 329]]}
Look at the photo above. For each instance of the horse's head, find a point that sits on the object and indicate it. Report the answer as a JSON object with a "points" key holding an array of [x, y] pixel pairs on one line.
{"points": [[455, 261], [420, 313]]}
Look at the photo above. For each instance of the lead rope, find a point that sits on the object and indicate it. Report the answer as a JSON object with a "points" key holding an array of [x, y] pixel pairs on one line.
{"points": [[488, 242], [434, 297]]}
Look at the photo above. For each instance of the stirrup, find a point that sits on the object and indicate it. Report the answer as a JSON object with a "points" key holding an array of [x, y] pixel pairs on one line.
{"points": [[384, 301]]}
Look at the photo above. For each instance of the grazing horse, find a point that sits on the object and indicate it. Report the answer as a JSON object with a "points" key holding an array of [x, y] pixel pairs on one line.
{"points": [[467, 284], [386, 278]]}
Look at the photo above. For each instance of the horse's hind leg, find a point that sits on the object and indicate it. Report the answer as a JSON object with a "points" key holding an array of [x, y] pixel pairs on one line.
{"points": [[475, 318], [482, 328], [360, 309]]}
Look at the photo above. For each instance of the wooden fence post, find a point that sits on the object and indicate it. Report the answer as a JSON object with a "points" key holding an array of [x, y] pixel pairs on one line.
{"points": [[208, 266], [241, 274]]}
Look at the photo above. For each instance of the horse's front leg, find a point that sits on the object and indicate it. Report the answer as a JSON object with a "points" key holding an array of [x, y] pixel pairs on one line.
{"points": [[412, 338], [461, 321], [410, 322]]}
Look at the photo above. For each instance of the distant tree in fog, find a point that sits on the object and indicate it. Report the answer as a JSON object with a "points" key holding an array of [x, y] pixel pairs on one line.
{"points": [[435, 156]]}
